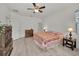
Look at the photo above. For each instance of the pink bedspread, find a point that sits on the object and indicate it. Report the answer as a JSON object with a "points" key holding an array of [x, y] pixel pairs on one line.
{"points": [[45, 37]]}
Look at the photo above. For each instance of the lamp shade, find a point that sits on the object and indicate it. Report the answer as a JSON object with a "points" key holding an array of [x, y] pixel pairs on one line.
{"points": [[70, 29], [45, 29]]}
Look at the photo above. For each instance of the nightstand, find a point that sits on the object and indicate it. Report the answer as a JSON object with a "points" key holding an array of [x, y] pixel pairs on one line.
{"points": [[28, 32], [69, 43]]}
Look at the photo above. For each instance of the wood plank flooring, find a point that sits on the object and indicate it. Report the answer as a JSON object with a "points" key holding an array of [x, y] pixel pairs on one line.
{"points": [[27, 47]]}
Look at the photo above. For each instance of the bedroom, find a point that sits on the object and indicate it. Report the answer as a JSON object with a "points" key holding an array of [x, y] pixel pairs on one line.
{"points": [[57, 17]]}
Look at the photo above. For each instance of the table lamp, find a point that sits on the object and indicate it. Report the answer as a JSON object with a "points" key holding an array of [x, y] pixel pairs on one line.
{"points": [[70, 34], [45, 29]]}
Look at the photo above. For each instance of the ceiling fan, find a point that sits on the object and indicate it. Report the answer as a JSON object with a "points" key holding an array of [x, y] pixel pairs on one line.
{"points": [[36, 8]]}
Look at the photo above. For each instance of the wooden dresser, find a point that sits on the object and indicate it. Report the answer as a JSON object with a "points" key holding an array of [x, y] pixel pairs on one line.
{"points": [[28, 32], [6, 43]]}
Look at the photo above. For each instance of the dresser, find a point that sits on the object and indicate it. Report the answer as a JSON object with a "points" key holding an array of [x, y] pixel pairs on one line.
{"points": [[28, 32], [6, 42]]}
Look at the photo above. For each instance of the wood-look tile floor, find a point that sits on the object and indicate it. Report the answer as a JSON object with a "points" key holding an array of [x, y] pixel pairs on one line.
{"points": [[27, 47]]}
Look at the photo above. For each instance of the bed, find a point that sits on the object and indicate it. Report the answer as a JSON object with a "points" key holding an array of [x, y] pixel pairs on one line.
{"points": [[48, 39]]}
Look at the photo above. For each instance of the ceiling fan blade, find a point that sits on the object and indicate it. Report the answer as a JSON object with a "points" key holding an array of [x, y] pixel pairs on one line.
{"points": [[42, 7], [34, 4], [40, 11], [30, 8], [34, 12], [15, 10]]}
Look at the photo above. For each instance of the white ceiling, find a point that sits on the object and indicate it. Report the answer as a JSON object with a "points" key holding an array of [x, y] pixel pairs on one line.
{"points": [[51, 8]]}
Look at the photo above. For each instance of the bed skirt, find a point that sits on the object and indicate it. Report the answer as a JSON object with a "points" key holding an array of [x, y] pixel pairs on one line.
{"points": [[49, 45]]}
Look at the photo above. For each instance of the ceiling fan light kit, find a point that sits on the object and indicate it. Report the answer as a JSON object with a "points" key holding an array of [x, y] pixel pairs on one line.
{"points": [[36, 8]]}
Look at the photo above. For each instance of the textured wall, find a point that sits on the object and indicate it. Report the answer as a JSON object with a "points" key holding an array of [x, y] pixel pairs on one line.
{"points": [[20, 23], [62, 19]]}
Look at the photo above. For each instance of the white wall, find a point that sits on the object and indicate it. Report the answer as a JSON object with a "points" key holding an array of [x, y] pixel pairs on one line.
{"points": [[62, 19], [20, 23], [3, 13], [59, 20]]}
